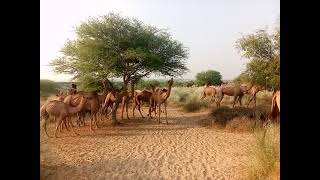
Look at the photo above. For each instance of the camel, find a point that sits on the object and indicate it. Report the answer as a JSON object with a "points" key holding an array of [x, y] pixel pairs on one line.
{"points": [[109, 101], [92, 106], [142, 96], [61, 111], [253, 92], [112, 97], [159, 97], [209, 91], [275, 104], [237, 91]]}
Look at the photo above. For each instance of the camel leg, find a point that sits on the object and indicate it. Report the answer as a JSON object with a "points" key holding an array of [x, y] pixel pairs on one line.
{"points": [[58, 125], [127, 107], [71, 125], [61, 127], [134, 107], [249, 101], [139, 108], [123, 105], [91, 119], [45, 124], [65, 124], [150, 107], [96, 122], [159, 113], [240, 98], [165, 111], [234, 101]]}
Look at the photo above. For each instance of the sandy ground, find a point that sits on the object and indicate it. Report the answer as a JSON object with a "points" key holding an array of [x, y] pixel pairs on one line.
{"points": [[142, 149]]}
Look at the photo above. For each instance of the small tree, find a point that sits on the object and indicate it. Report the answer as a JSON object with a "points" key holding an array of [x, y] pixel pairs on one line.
{"points": [[121, 47], [209, 77], [263, 51]]}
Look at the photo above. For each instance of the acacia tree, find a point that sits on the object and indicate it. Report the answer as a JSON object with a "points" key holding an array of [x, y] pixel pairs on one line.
{"points": [[263, 51], [209, 77], [121, 47]]}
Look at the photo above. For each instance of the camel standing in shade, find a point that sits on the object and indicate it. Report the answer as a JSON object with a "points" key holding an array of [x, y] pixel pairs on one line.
{"points": [[159, 97], [61, 111], [92, 106]]}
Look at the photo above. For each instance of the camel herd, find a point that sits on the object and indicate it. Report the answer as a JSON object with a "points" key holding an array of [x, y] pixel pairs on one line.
{"points": [[237, 91], [79, 103], [62, 108]]}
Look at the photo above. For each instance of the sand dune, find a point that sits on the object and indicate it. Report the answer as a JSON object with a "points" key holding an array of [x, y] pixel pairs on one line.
{"points": [[142, 149]]}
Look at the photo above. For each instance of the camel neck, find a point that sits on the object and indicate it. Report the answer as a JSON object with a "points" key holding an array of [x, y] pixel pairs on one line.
{"points": [[74, 110]]}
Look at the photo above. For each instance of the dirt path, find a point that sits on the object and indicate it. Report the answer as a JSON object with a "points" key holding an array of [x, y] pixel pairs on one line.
{"points": [[142, 149]]}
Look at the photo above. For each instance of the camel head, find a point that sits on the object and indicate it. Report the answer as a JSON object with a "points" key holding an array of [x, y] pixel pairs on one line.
{"points": [[170, 82]]}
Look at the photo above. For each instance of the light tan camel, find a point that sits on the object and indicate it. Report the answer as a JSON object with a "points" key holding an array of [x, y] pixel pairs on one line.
{"points": [[140, 97], [159, 97], [252, 92], [209, 91], [61, 111], [275, 104], [237, 91]]}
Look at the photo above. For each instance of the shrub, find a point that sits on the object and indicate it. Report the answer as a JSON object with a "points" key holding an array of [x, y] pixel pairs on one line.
{"points": [[188, 99], [266, 153]]}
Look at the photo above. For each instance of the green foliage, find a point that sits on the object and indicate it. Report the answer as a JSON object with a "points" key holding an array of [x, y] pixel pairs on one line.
{"points": [[243, 77], [122, 47], [48, 87], [263, 51], [148, 83], [209, 77]]}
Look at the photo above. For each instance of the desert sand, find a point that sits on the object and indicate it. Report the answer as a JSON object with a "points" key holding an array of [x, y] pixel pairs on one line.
{"points": [[142, 149]]}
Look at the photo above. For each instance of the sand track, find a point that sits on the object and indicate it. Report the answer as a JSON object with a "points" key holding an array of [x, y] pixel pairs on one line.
{"points": [[142, 149]]}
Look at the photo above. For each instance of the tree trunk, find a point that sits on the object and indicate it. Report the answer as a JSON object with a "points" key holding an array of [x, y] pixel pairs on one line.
{"points": [[114, 111], [116, 106]]}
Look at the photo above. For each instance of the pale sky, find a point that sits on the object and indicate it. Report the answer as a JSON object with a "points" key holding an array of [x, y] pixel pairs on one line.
{"points": [[209, 28]]}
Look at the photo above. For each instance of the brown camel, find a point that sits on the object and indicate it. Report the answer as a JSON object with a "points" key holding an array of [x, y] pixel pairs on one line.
{"points": [[275, 105], [142, 96], [92, 106], [237, 91], [209, 91], [109, 101], [61, 111], [159, 97]]}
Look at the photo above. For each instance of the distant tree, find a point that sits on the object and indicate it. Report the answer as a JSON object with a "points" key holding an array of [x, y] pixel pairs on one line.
{"points": [[120, 47], [263, 51], [209, 77], [48, 87]]}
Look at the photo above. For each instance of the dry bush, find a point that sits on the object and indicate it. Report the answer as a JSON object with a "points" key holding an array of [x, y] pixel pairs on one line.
{"points": [[266, 155], [188, 98], [224, 116]]}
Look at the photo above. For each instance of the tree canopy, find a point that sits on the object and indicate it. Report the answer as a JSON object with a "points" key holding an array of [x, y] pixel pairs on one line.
{"points": [[210, 77], [263, 51], [121, 47]]}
